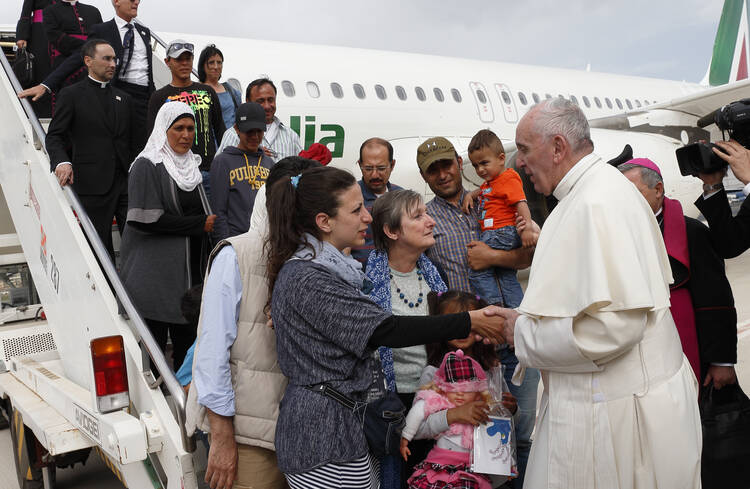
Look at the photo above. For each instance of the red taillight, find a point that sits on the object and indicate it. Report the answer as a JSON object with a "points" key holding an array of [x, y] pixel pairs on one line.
{"points": [[110, 373]]}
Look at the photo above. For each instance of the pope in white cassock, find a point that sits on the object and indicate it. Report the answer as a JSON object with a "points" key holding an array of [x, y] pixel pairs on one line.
{"points": [[619, 409]]}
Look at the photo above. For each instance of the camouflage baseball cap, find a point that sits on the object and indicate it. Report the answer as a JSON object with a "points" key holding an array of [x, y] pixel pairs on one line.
{"points": [[432, 150]]}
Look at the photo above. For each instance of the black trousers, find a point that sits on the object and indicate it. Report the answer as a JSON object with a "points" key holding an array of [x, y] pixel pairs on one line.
{"points": [[140, 96], [101, 209], [183, 336]]}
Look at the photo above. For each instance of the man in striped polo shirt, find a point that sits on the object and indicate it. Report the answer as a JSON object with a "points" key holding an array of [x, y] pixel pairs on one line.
{"points": [[279, 141]]}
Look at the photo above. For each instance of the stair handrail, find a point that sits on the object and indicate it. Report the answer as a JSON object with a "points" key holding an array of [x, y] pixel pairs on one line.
{"points": [[141, 330]]}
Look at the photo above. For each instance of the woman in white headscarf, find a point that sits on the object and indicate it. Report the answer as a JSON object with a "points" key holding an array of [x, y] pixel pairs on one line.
{"points": [[164, 245]]}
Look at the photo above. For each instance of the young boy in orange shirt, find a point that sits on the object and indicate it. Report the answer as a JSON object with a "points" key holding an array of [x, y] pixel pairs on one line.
{"points": [[500, 198]]}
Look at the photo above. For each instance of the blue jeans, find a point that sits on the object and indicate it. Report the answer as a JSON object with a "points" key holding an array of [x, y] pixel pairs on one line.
{"points": [[207, 184], [525, 394], [498, 285]]}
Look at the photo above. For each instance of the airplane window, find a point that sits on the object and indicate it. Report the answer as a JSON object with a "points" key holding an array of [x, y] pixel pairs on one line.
{"points": [[627, 102], [522, 98], [456, 95], [337, 91], [598, 102], [359, 90], [288, 88], [535, 97], [380, 92], [481, 97], [313, 90], [645, 102], [586, 101], [548, 95], [506, 97], [560, 96], [438, 94], [400, 92], [574, 99], [609, 102], [420, 93], [619, 104]]}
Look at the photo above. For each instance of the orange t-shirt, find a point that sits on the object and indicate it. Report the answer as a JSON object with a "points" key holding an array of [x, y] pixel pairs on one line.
{"points": [[497, 200]]}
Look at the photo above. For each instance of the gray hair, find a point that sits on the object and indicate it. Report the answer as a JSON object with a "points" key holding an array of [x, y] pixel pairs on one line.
{"points": [[561, 116], [388, 211], [648, 176]]}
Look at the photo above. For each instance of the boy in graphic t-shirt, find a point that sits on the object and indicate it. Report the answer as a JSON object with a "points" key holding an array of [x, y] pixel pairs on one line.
{"points": [[500, 198]]}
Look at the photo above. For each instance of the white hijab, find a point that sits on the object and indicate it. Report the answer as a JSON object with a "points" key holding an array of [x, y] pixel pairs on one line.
{"points": [[184, 169]]}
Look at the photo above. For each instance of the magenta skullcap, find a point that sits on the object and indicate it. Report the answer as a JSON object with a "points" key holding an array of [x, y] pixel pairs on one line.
{"points": [[645, 163]]}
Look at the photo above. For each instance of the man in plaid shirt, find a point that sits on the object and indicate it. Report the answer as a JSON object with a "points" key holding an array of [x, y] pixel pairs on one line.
{"points": [[457, 247]]}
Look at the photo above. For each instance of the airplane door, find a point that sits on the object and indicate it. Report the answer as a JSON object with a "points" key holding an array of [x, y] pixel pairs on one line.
{"points": [[484, 106], [506, 100]]}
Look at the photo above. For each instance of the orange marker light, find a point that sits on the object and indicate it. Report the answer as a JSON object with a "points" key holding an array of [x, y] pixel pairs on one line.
{"points": [[110, 373]]}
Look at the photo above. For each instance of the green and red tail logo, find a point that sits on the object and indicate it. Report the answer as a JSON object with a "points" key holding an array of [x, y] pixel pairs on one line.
{"points": [[730, 57]]}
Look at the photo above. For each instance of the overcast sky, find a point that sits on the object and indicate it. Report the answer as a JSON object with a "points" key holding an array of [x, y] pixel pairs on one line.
{"points": [[657, 38]]}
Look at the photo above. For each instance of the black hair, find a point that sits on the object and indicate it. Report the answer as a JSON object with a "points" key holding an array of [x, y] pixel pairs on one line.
{"points": [[208, 52], [89, 47], [375, 141], [294, 209], [190, 304], [259, 82], [462, 301], [288, 167]]}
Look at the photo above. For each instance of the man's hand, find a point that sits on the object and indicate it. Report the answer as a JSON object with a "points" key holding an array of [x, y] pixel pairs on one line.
{"points": [[738, 158], [268, 152], [222, 456], [479, 255], [21, 43], [473, 413], [486, 325], [37, 92], [64, 174], [720, 376], [509, 321]]}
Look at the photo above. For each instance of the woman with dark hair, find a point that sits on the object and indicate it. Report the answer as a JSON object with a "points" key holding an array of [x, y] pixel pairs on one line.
{"points": [[210, 67], [402, 276], [164, 244], [327, 329]]}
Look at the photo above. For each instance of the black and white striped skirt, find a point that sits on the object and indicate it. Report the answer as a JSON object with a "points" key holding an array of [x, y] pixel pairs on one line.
{"points": [[362, 473]]}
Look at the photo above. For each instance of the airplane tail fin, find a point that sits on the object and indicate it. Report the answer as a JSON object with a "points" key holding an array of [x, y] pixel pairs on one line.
{"points": [[729, 62]]}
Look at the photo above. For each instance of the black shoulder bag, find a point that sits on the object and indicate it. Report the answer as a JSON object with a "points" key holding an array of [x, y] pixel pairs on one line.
{"points": [[382, 419], [23, 67]]}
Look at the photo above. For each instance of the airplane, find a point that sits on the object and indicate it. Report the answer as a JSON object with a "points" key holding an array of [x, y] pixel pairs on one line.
{"points": [[340, 97]]}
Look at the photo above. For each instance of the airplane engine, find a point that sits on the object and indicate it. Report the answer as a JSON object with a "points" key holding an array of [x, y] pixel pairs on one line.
{"points": [[607, 143]]}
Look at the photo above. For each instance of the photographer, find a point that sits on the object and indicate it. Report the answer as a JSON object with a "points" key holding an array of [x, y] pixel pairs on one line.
{"points": [[730, 235]]}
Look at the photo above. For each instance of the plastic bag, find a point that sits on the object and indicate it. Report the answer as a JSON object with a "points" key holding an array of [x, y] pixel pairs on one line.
{"points": [[494, 449], [725, 416]]}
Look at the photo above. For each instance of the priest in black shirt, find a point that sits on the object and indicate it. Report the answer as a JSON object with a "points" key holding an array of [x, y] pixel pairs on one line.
{"points": [[90, 141]]}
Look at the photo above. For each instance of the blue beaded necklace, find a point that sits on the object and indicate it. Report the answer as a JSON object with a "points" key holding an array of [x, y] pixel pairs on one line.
{"points": [[411, 303]]}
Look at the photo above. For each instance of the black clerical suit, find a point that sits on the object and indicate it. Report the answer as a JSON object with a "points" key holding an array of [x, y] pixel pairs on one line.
{"points": [[140, 95], [95, 121], [730, 235], [31, 30], [67, 26]]}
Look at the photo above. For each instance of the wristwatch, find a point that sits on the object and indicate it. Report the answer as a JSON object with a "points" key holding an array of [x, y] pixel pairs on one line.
{"points": [[712, 188]]}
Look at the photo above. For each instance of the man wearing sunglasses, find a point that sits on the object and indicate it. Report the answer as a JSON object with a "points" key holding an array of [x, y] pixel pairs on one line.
{"points": [[134, 74], [209, 121]]}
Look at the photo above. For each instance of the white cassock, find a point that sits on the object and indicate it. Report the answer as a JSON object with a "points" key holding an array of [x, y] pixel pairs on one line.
{"points": [[619, 409]]}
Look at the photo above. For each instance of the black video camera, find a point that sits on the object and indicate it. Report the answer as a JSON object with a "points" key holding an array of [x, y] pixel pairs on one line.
{"points": [[733, 118]]}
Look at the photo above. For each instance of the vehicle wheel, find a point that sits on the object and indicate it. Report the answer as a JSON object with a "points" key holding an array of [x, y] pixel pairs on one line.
{"points": [[27, 454]]}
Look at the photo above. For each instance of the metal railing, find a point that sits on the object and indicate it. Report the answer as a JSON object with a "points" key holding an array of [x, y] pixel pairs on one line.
{"points": [[142, 332]]}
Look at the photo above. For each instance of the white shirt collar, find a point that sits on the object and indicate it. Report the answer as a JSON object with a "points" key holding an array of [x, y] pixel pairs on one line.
{"points": [[121, 23], [569, 179], [71, 2], [101, 83]]}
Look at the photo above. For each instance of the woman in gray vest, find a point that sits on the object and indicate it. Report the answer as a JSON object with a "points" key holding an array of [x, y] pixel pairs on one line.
{"points": [[327, 329]]}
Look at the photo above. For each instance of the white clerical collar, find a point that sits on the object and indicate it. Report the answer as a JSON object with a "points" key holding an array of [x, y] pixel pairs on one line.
{"points": [[71, 2], [658, 213], [569, 179], [98, 82]]}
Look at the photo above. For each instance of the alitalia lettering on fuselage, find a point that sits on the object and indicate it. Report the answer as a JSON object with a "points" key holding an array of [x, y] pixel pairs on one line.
{"points": [[333, 134]]}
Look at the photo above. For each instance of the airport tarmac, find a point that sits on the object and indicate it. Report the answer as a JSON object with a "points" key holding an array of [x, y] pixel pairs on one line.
{"points": [[96, 475]]}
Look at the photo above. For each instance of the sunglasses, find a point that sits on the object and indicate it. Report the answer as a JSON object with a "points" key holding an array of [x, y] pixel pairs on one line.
{"points": [[180, 46]]}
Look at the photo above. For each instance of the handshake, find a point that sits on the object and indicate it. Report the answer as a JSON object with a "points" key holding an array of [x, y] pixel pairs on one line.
{"points": [[494, 325]]}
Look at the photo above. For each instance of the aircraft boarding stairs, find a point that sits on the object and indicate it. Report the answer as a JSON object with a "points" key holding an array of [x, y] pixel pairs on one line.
{"points": [[46, 370]]}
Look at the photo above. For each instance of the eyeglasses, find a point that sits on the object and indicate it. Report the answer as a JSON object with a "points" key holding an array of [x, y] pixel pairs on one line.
{"points": [[379, 169], [180, 46]]}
